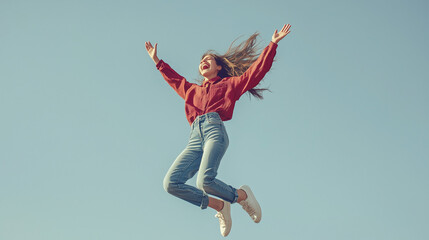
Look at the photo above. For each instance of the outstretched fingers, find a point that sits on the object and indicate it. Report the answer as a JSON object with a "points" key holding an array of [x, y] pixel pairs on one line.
{"points": [[148, 45], [277, 36], [286, 28], [152, 51]]}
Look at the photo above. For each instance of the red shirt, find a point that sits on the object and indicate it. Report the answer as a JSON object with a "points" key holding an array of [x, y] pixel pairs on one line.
{"points": [[218, 95]]}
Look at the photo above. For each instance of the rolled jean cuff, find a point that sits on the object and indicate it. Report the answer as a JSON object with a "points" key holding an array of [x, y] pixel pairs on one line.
{"points": [[235, 195], [204, 201]]}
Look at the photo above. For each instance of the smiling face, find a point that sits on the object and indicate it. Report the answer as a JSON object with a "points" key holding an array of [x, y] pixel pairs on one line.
{"points": [[208, 67]]}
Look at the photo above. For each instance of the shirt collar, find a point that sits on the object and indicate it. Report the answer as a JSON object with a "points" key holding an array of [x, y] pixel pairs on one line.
{"points": [[211, 81]]}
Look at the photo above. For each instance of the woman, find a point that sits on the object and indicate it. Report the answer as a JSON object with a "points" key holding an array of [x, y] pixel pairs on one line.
{"points": [[207, 106]]}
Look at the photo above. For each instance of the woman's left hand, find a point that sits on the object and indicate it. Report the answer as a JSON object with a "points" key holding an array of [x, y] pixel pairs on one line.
{"points": [[277, 36]]}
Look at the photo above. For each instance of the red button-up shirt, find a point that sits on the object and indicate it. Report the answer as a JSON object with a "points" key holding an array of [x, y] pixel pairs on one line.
{"points": [[218, 95]]}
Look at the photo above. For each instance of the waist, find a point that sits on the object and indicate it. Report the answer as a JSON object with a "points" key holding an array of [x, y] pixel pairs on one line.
{"points": [[211, 116]]}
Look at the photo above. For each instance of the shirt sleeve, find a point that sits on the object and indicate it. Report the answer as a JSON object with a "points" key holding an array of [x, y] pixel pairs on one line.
{"points": [[177, 82], [256, 72]]}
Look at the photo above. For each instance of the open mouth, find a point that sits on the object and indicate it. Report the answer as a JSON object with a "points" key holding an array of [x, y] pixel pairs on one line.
{"points": [[205, 66]]}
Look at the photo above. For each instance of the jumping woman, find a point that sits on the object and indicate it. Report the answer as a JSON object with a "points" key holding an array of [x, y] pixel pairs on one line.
{"points": [[226, 78]]}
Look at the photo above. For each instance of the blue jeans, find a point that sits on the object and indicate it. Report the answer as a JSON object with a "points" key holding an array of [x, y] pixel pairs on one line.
{"points": [[207, 144]]}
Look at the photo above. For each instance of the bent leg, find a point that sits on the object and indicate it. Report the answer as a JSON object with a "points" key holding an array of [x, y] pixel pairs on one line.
{"points": [[183, 168], [206, 180]]}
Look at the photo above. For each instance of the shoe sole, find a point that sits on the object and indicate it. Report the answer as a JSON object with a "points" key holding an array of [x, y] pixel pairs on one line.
{"points": [[249, 194], [227, 205]]}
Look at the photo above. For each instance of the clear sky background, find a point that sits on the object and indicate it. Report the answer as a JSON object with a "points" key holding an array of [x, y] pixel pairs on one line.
{"points": [[88, 127]]}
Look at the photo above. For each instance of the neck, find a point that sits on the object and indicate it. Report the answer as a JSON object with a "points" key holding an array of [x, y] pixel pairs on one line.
{"points": [[206, 78]]}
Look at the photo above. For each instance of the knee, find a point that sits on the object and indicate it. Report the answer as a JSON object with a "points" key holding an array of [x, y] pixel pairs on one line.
{"points": [[169, 186], [200, 184], [204, 183]]}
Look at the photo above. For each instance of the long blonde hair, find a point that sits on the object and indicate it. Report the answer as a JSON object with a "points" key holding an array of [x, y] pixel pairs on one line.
{"points": [[237, 60]]}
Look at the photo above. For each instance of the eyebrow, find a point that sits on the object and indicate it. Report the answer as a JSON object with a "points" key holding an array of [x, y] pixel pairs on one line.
{"points": [[207, 56]]}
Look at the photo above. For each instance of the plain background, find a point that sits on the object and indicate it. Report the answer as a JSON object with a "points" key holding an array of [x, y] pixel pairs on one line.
{"points": [[88, 127]]}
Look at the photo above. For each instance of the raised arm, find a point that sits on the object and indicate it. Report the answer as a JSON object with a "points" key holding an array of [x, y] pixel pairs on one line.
{"points": [[152, 51], [256, 72], [175, 80]]}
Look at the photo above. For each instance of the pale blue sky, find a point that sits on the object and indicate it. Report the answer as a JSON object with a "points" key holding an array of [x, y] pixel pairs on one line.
{"points": [[88, 127]]}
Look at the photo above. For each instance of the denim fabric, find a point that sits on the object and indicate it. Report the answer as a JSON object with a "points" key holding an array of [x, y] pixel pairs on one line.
{"points": [[208, 142]]}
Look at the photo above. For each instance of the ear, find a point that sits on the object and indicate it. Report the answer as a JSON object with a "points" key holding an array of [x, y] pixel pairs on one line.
{"points": [[219, 67]]}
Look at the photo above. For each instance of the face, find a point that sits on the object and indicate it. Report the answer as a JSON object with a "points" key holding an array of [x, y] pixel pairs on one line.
{"points": [[208, 67]]}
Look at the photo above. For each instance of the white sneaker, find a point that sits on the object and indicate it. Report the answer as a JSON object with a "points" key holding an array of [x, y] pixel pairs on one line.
{"points": [[225, 220], [250, 205]]}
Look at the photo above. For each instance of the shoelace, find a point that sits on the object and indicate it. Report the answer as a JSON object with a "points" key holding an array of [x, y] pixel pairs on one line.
{"points": [[221, 219], [220, 216], [249, 209]]}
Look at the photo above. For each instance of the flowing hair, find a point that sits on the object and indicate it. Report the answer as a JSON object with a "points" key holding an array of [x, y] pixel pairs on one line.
{"points": [[237, 60]]}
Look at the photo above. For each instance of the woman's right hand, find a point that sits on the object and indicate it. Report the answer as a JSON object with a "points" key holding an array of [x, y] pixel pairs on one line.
{"points": [[152, 51]]}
